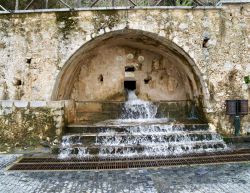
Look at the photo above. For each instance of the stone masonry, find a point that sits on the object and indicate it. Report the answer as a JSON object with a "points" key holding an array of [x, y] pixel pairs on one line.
{"points": [[30, 124], [36, 49]]}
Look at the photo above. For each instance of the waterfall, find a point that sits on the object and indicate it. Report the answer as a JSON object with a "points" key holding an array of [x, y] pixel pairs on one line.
{"points": [[139, 133], [135, 108]]}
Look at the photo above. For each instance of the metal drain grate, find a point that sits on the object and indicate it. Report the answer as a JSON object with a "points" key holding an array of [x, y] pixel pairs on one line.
{"points": [[52, 164], [97, 159]]}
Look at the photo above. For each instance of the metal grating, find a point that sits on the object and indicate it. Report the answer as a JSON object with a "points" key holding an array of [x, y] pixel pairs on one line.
{"points": [[52, 164]]}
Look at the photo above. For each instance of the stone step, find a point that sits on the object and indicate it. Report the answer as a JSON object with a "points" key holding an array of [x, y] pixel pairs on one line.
{"points": [[96, 117], [76, 128], [121, 134], [138, 138], [136, 150]]}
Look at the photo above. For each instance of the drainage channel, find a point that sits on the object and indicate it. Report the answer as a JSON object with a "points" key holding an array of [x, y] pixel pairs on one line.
{"points": [[54, 164]]}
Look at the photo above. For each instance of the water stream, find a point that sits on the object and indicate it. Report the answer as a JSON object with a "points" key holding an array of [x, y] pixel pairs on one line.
{"points": [[139, 133]]}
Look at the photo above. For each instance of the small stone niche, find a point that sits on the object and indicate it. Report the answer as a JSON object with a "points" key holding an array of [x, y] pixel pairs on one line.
{"points": [[28, 60], [100, 78], [17, 82], [147, 79], [205, 42], [129, 68], [130, 84]]}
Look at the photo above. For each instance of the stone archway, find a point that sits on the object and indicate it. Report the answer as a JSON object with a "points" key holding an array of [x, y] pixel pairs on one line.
{"points": [[161, 70], [103, 59]]}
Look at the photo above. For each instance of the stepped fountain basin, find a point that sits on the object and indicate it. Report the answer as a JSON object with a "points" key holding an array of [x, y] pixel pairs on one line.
{"points": [[141, 128]]}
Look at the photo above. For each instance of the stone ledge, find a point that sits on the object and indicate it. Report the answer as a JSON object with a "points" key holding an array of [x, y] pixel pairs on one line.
{"points": [[21, 104], [6, 103], [237, 139], [38, 103], [33, 104], [55, 104]]}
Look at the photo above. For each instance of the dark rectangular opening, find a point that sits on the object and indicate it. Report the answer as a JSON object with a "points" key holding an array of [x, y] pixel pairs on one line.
{"points": [[130, 84], [129, 68]]}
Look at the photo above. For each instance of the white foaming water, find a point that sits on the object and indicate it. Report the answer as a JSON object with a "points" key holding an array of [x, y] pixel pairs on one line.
{"points": [[67, 151], [158, 140], [138, 109], [140, 133]]}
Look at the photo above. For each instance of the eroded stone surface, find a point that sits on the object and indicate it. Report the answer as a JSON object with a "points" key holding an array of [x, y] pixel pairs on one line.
{"points": [[25, 126]]}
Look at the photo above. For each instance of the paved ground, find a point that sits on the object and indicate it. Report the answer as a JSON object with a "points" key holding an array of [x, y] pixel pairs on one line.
{"points": [[231, 178]]}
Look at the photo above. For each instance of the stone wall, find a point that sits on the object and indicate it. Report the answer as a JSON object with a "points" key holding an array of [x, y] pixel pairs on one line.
{"points": [[36, 48], [95, 112], [157, 77], [30, 124]]}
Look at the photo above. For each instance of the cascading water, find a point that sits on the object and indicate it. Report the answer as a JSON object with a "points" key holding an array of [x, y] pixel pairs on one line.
{"points": [[135, 108], [139, 133]]}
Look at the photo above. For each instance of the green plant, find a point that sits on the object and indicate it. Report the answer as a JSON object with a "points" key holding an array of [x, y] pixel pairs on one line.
{"points": [[184, 2], [247, 79]]}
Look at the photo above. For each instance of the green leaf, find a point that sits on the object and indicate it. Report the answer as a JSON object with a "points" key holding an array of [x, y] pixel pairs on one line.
{"points": [[247, 79]]}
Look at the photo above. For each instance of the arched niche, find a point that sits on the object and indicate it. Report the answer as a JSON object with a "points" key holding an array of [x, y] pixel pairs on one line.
{"points": [[163, 70]]}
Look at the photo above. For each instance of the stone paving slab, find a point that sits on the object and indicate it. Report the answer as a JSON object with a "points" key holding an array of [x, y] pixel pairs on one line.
{"points": [[228, 178]]}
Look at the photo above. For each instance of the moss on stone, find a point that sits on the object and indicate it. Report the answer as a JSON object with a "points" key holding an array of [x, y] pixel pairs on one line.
{"points": [[25, 127], [105, 18], [69, 20]]}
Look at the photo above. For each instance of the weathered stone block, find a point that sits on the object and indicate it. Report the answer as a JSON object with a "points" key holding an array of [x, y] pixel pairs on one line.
{"points": [[95, 117], [21, 104], [58, 113], [59, 125], [22, 127], [7, 103], [55, 104], [38, 104], [58, 119], [7, 111], [89, 107]]}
